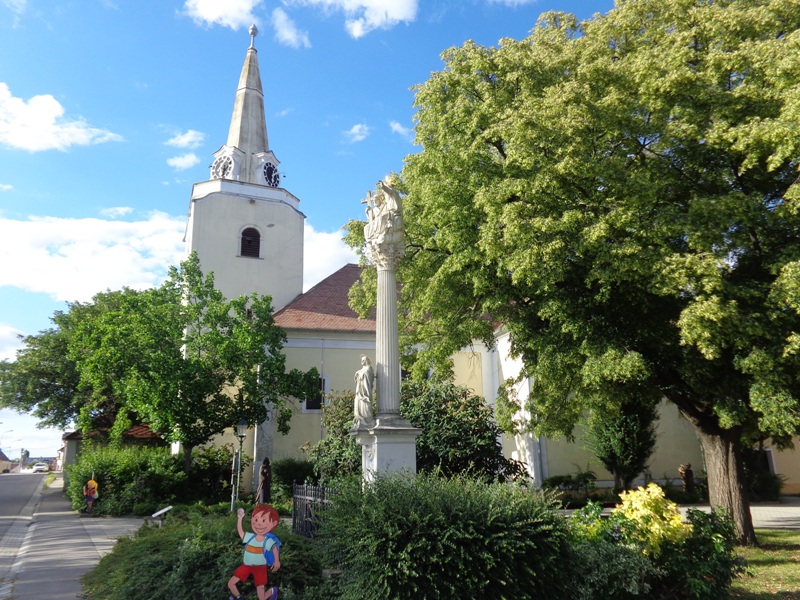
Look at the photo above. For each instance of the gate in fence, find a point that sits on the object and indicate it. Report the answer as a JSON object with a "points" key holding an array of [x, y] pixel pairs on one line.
{"points": [[307, 503]]}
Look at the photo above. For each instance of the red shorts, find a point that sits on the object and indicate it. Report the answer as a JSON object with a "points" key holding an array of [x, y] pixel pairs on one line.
{"points": [[259, 573]]}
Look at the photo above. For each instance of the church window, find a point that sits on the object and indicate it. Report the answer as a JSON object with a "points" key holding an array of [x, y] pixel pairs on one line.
{"points": [[315, 402], [251, 243]]}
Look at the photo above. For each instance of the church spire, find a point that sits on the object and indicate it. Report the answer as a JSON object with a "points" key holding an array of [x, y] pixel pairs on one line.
{"points": [[246, 156], [248, 130]]}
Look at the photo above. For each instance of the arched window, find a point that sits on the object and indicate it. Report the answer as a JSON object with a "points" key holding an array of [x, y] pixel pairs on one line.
{"points": [[251, 243]]}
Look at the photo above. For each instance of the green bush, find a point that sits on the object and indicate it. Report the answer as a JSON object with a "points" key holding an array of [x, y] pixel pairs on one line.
{"points": [[602, 569], [459, 433], [140, 480], [431, 537], [191, 558], [286, 471], [704, 565], [684, 561]]}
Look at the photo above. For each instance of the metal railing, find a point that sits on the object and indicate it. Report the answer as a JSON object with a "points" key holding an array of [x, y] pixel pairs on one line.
{"points": [[307, 503]]}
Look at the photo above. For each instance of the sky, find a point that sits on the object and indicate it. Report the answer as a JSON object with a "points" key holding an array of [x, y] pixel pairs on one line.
{"points": [[111, 109]]}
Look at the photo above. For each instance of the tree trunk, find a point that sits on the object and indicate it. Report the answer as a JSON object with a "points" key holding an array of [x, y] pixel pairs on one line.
{"points": [[187, 457], [726, 481]]}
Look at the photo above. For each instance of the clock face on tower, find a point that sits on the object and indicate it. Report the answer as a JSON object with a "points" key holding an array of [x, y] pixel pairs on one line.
{"points": [[271, 175], [222, 168]]}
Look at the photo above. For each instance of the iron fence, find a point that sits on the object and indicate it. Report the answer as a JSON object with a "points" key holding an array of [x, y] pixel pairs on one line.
{"points": [[307, 503]]}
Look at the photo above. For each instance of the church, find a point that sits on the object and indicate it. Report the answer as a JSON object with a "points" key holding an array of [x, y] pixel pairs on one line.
{"points": [[248, 230]]}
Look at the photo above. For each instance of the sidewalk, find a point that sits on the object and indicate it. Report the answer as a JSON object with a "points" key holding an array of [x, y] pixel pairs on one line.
{"points": [[56, 546]]}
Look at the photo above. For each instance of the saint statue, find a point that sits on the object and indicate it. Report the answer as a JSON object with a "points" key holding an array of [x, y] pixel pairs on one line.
{"points": [[362, 407], [384, 215]]}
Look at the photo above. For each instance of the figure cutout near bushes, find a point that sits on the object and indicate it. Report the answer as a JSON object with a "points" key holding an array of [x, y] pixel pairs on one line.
{"points": [[90, 493], [261, 550]]}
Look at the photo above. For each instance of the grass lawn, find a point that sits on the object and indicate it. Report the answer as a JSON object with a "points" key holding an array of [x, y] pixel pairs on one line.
{"points": [[775, 566]]}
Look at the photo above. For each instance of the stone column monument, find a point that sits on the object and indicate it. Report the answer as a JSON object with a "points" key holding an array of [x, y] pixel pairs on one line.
{"points": [[388, 441]]}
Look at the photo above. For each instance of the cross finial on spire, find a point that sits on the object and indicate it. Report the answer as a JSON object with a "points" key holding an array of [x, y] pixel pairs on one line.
{"points": [[253, 33]]}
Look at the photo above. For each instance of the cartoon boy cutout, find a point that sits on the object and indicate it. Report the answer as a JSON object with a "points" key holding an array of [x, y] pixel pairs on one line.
{"points": [[90, 492], [256, 545]]}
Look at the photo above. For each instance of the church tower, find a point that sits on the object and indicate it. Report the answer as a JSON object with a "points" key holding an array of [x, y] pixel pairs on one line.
{"points": [[244, 226]]}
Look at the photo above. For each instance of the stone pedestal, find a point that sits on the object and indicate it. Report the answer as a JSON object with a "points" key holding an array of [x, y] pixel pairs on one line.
{"points": [[387, 447]]}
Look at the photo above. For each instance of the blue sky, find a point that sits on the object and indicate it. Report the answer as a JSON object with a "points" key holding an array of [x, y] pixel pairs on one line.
{"points": [[111, 109]]}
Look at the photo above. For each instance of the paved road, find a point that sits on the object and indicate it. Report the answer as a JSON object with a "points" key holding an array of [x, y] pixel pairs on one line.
{"points": [[15, 492], [48, 532]]}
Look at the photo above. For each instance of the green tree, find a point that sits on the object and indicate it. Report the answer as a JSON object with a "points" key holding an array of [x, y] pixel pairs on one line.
{"points": [[624, 441], [622, 195], [459, 435], [189, 362], [179, 357], [337, 454], [44, 381]]}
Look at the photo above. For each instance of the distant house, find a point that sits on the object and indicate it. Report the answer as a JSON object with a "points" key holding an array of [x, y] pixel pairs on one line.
{"points": [[6, 464]]}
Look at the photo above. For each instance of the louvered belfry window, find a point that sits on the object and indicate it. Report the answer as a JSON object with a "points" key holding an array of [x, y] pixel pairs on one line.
{"points": [[251, 243]]}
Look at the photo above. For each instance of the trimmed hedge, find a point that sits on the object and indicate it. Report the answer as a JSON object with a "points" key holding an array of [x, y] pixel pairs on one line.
{"points": [[191, 558], [429, 537], [136, 480]]}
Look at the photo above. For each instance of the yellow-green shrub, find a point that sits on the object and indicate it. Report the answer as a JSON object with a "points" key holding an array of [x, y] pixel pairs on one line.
{"points": [[651, 519]]}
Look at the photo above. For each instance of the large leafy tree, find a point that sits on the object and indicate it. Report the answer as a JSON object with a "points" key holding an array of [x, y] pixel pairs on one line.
{"points": [[44, 380], [189, 362], [180, 357], [622, 195]]}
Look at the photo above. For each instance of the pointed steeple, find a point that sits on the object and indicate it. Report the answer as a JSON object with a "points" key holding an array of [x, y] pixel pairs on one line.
{"points": [[246, 156], [248, 130]]}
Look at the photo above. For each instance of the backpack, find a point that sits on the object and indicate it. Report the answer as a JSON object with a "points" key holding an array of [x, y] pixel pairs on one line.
{"points": [[268, 553]]}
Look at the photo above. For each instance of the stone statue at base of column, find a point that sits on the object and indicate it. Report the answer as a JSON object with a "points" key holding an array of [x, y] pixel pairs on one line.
{"points": [[362, 407]]}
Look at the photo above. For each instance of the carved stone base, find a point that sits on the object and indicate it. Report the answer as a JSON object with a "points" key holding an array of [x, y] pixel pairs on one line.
{"points": [[388, 446]]}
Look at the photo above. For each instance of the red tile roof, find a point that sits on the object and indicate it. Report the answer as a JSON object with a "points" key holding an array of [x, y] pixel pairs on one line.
{"points": [[140, 432], [325, 306]]}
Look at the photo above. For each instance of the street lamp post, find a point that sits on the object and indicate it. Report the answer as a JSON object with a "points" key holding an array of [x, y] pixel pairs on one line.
{"points": [[241, 432], [1, 437]]}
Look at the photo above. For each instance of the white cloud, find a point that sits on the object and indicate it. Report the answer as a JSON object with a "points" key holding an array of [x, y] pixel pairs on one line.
{"points": [[357, 133], [190, 139], [184, 161], [116, 211], [286, 32], [405, 132], [228, 13], [324, 254], [39, 124], [5, 187], [363, 16], [9, 341], [17, 6], [73, 259]]}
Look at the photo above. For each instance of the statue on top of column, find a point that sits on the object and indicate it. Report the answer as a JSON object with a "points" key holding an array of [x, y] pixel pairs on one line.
{"points": [[384, 215]]}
